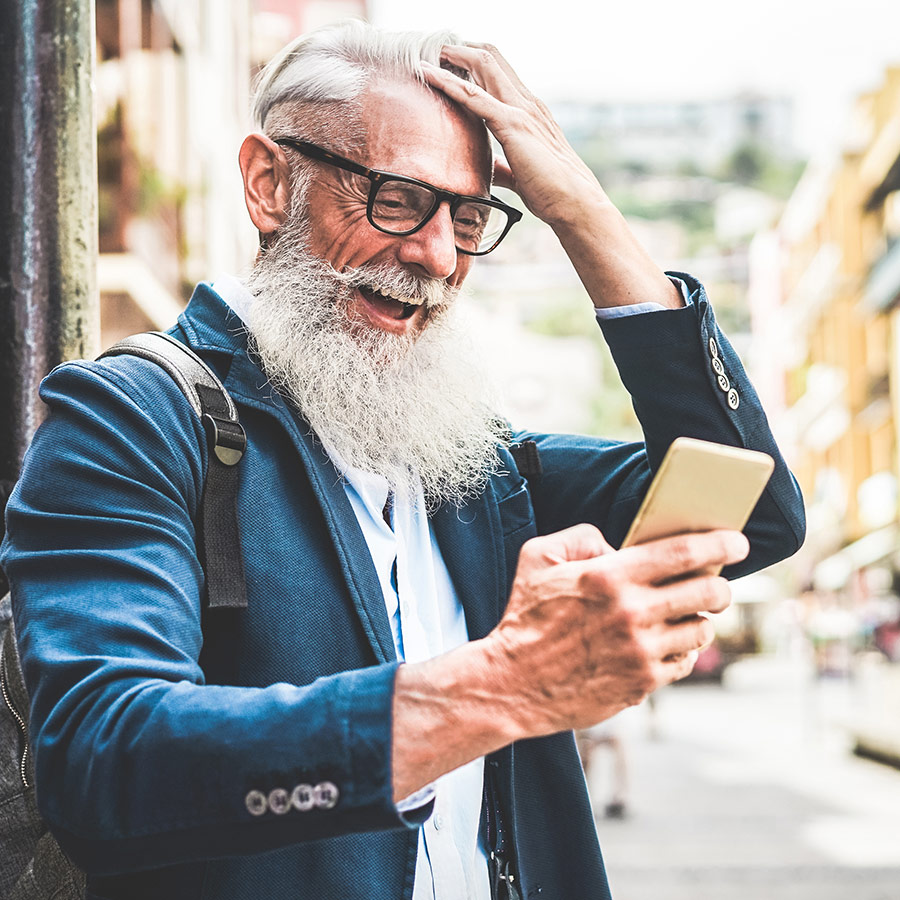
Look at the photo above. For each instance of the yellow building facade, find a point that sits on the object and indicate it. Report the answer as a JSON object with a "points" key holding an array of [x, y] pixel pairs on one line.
{"points": [[839, 243], [840, 247]]}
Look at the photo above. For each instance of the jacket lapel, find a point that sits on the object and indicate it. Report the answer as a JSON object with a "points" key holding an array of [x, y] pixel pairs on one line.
{"points": [[346, 535], [469, 538], [349, 541]]}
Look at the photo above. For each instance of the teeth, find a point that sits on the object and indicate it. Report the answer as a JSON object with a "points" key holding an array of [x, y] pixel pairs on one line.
{"points": [[407, 301]]}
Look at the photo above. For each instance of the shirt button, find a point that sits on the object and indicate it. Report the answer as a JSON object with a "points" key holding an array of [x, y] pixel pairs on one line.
{"points": [[303, 797], [438, 822], [279, 801], [713, 347], [724, 383], [404, 608], [326, 795], [718, 368], [733, 400], [256, 804]]}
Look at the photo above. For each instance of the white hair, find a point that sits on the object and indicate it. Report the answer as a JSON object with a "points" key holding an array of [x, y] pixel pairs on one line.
{"points": [[334, 64]]}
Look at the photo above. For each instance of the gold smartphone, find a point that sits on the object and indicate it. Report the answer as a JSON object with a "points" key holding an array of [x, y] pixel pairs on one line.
{"points": [[700, 486]]}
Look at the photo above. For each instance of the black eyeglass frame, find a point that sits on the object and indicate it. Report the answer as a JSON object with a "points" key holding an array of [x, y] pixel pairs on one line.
{"points": [[377, 177]]}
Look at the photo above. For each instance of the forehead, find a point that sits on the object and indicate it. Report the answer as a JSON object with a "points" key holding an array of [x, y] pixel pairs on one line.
{"points": [[410, 131]]}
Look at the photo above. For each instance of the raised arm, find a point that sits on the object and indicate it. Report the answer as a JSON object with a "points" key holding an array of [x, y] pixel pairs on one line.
{"points": [[554, 183]]}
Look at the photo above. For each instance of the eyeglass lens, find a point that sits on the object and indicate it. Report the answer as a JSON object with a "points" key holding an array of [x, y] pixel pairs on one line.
{"points": [[399, 206]]}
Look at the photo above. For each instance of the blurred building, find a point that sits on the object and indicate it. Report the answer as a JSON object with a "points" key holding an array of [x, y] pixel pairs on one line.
{"points": [[276, 22], [836, 342], [702, 133], [839, 328], [173, 86]]}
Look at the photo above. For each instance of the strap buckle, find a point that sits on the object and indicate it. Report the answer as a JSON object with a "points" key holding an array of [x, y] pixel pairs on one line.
{"points": [[227, 439]]}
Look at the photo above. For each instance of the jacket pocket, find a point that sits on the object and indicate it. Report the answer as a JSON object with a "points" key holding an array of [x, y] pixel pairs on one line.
{"points": [[517, 513], [517, 525]]}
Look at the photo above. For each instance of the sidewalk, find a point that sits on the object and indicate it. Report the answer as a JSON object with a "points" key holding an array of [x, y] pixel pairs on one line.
{"points": [[749, 792]]}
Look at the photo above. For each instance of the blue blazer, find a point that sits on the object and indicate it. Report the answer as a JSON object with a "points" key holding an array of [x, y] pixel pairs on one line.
{"points": [[144, 770]]}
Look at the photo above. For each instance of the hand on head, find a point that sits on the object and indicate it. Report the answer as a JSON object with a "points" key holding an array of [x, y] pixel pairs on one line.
{"points": [[540, 164]]}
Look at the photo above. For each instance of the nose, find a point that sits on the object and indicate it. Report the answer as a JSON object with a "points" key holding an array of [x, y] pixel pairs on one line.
{"points": [[433, 247]]}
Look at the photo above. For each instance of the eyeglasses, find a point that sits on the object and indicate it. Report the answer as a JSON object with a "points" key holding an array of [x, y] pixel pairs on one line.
{"points": [[401, 205]]}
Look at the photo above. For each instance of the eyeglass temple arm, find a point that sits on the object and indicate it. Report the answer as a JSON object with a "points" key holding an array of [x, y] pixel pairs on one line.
{"points": [[314, 152]]}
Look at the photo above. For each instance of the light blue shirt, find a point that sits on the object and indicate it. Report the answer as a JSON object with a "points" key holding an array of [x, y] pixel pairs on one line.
{"points": [[427, 619]]}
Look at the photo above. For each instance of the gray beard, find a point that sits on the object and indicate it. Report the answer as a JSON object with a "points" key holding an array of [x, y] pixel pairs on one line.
{"points": [[413, 409]]}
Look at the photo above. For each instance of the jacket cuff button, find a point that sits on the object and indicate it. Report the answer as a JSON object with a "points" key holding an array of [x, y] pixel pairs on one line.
{"points": [[256, 803], [303, 797], [326, 795], [279, 801]]}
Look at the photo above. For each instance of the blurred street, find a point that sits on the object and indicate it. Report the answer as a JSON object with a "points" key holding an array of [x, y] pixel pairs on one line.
{"points": [[748, 791]]}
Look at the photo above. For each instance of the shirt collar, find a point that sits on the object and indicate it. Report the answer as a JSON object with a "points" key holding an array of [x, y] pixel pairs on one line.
{"points": [[234, 293]]}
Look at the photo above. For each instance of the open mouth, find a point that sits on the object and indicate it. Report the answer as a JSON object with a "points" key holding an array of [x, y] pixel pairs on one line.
{"points": [[387, 305]]}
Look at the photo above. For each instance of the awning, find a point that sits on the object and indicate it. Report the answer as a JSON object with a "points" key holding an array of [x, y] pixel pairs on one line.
{"points": [[834, 571]]}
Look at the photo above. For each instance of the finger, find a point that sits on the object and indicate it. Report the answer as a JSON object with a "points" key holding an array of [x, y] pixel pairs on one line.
{"points": [[671, 602], [575, 543], [680, 639], [657, 562], [485, 71], [501, 61], [467, 94], [667, 671]]}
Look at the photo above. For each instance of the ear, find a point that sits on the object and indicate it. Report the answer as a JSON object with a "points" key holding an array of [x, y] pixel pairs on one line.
{"points": [[266, 182]]}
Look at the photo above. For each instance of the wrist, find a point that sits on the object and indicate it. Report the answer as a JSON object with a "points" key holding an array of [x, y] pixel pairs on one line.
{"points": [[613, 265], [448, 711], [583, 208], [528, 707]]}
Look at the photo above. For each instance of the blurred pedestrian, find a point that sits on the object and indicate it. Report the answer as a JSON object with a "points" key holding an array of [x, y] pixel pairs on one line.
{"points": [[606, 735]]}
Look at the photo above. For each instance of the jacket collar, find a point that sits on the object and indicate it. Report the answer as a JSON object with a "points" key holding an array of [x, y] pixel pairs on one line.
{"points": [[469, 538], [211, 324]]}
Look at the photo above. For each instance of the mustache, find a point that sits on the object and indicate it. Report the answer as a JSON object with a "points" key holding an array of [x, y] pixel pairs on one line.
{"points": [[434, 293]]}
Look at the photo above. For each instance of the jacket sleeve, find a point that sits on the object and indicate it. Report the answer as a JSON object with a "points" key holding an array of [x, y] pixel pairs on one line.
{"points": [[666, 361], [138, 761]]}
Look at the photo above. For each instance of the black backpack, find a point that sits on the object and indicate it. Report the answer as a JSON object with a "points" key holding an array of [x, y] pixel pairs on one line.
{"points": [[32, 864]]}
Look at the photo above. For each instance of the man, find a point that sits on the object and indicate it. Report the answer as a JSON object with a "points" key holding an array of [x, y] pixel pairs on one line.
{"points": [[383, 519]]}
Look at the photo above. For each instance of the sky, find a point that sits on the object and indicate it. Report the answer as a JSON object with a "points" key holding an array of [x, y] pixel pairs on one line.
{"points": [[821, 54]]}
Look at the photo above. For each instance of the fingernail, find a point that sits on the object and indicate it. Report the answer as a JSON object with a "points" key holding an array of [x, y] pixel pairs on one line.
{"points": [[738, 545]]}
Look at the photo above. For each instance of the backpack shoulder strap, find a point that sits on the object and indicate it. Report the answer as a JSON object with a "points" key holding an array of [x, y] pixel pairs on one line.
{"points": [[528, 460], [219, 541]]}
